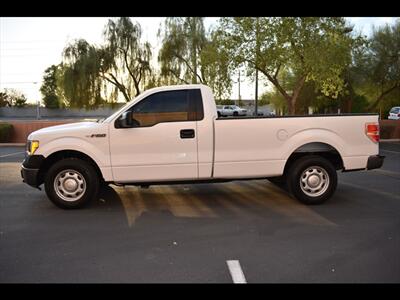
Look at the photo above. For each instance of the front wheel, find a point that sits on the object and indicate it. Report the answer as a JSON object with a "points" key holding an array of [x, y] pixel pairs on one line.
{"points": [[312, 179], [71, 183]]}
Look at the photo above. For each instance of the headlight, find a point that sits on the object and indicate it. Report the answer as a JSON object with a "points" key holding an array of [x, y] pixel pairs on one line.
{"points": [[32, 146]]}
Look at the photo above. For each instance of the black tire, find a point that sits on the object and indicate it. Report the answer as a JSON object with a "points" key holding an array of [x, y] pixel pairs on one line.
{"points": [[219, 114], [235, 113], [78, 167], [320, 168]]}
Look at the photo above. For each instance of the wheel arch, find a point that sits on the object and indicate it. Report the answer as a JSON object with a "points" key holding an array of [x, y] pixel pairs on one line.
{"points": [[322, 149], [62, 154]]}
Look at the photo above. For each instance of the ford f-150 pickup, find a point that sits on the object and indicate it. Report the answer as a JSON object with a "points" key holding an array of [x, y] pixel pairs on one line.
{"points": [[170, 135]]}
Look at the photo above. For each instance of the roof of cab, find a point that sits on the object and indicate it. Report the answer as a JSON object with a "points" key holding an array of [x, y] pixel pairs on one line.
{"points": [[179, 86]]}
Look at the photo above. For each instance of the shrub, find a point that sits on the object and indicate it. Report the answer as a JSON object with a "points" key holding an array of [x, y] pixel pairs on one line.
{"points": [[5, 132], [225, 102]]}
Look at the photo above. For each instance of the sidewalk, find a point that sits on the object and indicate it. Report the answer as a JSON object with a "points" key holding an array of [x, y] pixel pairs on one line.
{"points": [[12, 144]]}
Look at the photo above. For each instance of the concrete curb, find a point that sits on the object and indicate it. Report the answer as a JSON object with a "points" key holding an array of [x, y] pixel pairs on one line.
{"points": [[12, 144], [389, 140]]}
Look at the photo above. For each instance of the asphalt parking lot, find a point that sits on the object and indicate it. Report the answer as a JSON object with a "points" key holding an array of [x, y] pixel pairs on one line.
{"points": [[187, 233]]}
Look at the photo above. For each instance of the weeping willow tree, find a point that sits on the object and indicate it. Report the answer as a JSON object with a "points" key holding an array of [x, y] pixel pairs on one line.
{"points": [[90, 74], [79, 75], [190, 55], [126, 56]]}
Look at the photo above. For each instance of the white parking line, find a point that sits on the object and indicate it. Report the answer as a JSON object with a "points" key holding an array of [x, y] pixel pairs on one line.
{"points": [[236, 271], [11, 154], [371, 190], [389, 151]]}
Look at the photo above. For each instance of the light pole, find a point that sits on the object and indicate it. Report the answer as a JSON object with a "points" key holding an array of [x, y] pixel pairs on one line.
{"points": [[239, 96], [37, 106], [256, 60], [239, 87]]}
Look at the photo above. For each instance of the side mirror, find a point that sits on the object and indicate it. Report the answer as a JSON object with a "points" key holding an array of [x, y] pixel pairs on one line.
{"points": [[126, 120]]}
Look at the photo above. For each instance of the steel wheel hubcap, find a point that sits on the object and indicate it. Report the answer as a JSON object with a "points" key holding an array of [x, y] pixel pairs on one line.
{"points": [[314, 181], [69, 185]]}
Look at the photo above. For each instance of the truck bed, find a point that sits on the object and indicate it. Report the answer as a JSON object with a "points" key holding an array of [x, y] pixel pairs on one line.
{"points": [[299, 116], [255, 146]]}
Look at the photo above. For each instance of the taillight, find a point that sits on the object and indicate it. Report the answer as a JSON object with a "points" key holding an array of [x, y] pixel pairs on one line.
{"points": [[372, 131]]}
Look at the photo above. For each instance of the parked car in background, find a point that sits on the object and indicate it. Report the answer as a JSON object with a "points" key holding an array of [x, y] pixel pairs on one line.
{"points": [[394, 113], [231, 110]]}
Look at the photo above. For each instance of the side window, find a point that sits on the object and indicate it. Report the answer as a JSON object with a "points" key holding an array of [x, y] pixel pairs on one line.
{"points": [[169, 106]]}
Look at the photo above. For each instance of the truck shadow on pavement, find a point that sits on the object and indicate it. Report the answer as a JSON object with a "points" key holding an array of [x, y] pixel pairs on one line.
{"points": [[249, 200]]}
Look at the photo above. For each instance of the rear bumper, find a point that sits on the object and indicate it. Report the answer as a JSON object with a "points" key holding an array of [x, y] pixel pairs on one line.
{"points": [[375, 162]]}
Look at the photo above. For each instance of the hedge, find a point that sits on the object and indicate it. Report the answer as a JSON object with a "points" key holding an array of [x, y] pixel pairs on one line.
{"points": [[5, 132]]}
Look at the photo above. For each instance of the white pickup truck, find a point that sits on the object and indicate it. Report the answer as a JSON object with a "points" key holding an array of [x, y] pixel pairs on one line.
{"points": [[172, 134]]}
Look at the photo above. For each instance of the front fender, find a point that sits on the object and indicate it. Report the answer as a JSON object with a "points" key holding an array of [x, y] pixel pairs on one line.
{"points": [[99, 151]]}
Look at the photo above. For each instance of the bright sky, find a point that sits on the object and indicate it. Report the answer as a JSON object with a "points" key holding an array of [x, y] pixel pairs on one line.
{"points": [[29, 45]]}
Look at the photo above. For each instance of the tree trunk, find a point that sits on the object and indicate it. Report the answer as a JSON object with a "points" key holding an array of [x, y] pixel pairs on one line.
{"points": [[118, 85], [349, 102], [194, 64], [381, 96], [296, 92], [137, 88], [194, 51], [291, 106]]}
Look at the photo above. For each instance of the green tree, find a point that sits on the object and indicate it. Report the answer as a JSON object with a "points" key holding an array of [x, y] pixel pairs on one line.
{"points": [[12, 97], [378, 66], [91, 73], [20, 101], [313, 48], [80, 79], [4, 99], [125, 54], [49, 88], [190, 55]]}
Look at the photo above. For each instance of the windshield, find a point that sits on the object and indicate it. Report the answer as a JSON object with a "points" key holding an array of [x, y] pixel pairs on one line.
{"points": [[395, 110], [116, 113]]}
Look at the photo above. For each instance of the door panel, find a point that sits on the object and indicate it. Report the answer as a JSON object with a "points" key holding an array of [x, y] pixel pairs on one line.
{"points": [[153, 153], [163, 143]]}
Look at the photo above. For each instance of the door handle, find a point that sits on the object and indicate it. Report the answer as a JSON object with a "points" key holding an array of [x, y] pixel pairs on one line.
{"points": [[187, 133]]}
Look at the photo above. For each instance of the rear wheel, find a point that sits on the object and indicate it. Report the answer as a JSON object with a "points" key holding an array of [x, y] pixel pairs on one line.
{"points": [[71, 183], [312, 179]]}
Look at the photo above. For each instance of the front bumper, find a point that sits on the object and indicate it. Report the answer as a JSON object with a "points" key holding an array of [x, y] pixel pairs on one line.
{"points": [[30, 169], [375, 162], [30, 176]]}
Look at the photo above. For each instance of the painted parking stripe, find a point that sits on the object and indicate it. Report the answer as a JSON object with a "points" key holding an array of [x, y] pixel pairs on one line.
{"points": [[387, 194], [11, 154], [390, 151], [236, 271]]}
